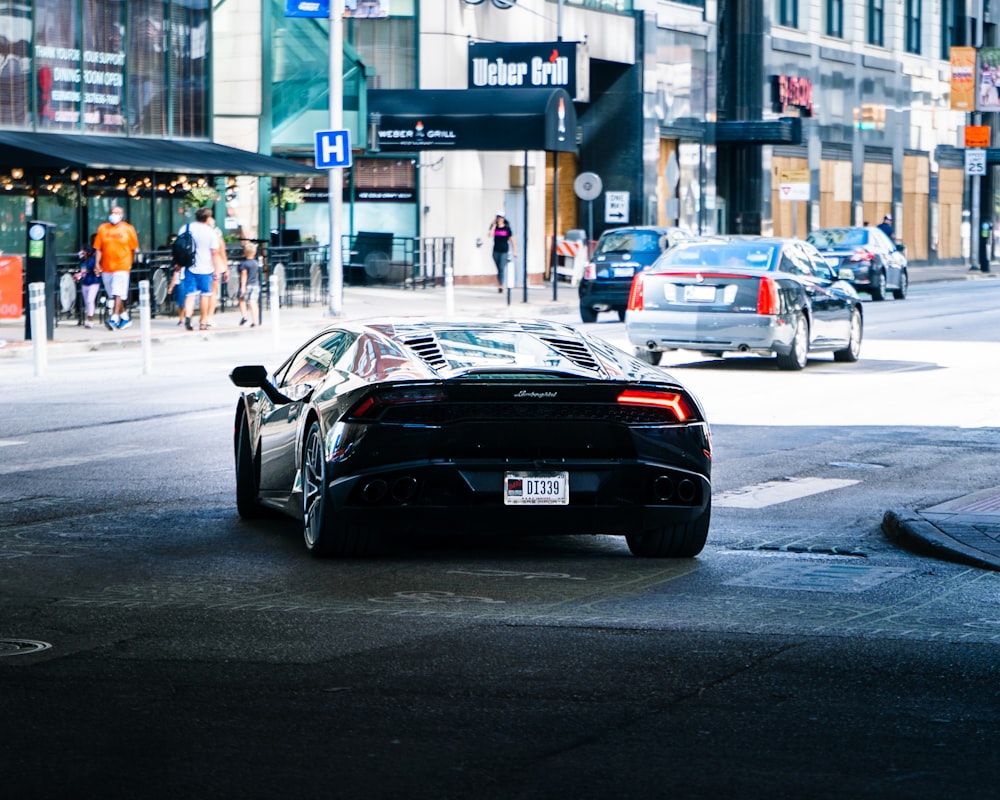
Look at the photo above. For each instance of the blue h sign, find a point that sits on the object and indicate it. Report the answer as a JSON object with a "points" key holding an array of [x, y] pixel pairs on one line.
{"points": [[333, 149]]}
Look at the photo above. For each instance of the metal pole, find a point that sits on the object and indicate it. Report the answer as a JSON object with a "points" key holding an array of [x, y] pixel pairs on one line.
{"points": [[524, 246], [36, 310], [145, 327], [336, 178], [975, 234], [274, 293], [555, 224]]}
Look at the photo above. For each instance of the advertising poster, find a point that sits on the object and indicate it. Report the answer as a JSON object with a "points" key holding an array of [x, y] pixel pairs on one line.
{"points": [[989, 79], [963, 80]]}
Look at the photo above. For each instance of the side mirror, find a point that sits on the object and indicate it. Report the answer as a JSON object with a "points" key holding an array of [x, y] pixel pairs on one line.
{"points": [[901, 247], [255, 377]]}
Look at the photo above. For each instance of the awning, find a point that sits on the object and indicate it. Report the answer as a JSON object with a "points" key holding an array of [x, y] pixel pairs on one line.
{"points": [[30, 150], [474, 119], [784, 130]]}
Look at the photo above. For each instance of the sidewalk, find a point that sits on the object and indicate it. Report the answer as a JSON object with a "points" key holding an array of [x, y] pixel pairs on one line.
{"points": [[965, 529]]}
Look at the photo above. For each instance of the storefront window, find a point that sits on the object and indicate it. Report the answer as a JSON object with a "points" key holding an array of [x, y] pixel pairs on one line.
{"points": [[140, 67]]}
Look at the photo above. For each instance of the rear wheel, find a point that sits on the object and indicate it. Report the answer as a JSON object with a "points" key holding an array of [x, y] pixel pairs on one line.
{"points": [[877, 288], [588, 314], [247, 473], [323, 535], [684, 540], [904, 285], [799, 354], [852, 352], [649, 356]]}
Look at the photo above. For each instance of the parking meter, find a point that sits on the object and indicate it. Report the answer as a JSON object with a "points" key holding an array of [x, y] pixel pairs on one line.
{"points": [[40, 267], [985, 245]]}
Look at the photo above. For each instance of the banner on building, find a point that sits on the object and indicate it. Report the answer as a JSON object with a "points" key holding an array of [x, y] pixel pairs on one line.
{"points": [[963, 82], [989, 79]]}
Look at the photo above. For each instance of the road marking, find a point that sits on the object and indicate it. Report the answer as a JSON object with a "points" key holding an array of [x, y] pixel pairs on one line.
{"points": [[771, 493], [87, 458], [10, 442]]}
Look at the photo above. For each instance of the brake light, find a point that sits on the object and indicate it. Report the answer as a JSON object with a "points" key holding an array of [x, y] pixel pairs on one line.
{"points": [[635, 294], [669, 400], [590, 271], [767, 297], [861, 255], [374, 404]]}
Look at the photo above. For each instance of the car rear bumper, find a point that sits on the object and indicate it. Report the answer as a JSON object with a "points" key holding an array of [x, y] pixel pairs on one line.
{"points": [[603, 498], [709, 330], [605, 295]]}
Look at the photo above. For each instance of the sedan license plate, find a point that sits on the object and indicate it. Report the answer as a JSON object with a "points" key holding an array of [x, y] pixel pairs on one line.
{"points": [[699, 294], [536, 488], [623, 272]]}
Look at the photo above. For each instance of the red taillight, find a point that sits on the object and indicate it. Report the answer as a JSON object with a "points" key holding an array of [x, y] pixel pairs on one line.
{"points": [[635, 294], [861, 255], [669, 400], [374, 404], [590, 272], [767, 296]]}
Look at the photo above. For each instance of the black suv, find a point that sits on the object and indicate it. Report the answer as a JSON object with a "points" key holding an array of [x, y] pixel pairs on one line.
{"points": [[620, 253]]}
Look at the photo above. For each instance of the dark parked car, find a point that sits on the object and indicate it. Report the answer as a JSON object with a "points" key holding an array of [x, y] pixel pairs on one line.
{"points": [[876, 265], [744, 294], [619, 254], [391, 427]]}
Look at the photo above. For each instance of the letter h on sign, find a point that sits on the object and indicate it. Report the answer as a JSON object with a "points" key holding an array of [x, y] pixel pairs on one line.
{"points": [[333, 149]]}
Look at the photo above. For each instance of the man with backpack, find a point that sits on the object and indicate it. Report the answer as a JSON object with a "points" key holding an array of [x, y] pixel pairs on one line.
{"points": [[203, 267]]}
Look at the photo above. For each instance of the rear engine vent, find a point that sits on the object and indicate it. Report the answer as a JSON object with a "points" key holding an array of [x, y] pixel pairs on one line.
{"points": [[575, 351], [428, 349]]}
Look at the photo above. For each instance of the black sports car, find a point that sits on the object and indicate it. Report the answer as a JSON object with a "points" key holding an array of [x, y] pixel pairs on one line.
{"points": [[514, 426]]}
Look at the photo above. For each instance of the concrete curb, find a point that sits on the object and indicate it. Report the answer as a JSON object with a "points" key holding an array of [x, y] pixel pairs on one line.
{"points": [[912, 532]]}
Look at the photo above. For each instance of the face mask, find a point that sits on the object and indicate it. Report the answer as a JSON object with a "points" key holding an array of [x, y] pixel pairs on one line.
{"points": [[114, 219]]}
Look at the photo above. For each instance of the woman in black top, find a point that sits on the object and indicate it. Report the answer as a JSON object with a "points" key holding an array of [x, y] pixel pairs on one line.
{"points": [[503, 244]]}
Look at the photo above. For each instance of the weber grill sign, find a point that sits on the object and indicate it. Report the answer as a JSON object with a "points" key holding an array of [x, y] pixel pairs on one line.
{"points": [[535, 65]]}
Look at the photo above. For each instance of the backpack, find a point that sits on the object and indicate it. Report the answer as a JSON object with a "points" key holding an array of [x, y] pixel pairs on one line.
{"points": [[184, 248]]}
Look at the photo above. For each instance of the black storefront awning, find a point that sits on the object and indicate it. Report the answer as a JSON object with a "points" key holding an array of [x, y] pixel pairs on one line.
{"points": [[474, 119], [784, 130], [29, 150]]}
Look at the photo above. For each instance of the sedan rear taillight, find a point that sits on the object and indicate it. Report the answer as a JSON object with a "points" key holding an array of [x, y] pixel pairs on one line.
{"points": [[670, 401], [767, 296], [590, 272], [635, 294], [860, 254]]}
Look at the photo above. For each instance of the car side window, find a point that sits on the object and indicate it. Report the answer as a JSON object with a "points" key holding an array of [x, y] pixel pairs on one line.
{"points": [[793, 260], [313, 361], [882, 242]]}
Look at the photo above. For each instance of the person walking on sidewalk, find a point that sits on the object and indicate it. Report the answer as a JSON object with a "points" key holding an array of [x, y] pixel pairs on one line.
{"points": [[249, 284], [886, 226], [504, 247], [115, 245], [90, 284], [199, 276]]}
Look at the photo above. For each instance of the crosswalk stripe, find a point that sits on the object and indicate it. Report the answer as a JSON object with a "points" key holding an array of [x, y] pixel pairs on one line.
{"points": [[771, 493]]}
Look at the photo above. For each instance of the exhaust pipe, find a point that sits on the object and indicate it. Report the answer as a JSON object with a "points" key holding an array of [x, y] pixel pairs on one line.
{"points": [[663, 487], [650, 345], [686, 490], [404, 489], [744, 348], [374, 491]]}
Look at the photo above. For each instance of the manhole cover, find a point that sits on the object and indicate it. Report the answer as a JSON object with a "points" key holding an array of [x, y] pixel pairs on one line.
{"points": [[20, 647], [813, 577]]}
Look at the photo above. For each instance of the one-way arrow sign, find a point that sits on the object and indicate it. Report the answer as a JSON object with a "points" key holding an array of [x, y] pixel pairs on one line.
{"points": [[616, 207]]}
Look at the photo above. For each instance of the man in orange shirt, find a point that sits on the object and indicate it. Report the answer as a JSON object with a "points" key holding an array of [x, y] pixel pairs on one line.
{"points": [[114, 248]]}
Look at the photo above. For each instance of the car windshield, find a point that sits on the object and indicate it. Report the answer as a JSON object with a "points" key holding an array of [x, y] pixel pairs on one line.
{"points": [[839, 237], [756, 255], [629, 242]]}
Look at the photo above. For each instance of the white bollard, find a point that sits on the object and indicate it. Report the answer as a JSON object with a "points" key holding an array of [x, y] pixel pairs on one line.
{"points": [[449, 290], [39, 326], [275, 297], [145, 328]]}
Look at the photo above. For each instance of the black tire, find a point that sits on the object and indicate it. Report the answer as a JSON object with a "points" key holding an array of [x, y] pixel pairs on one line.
{"points": [[904, 285], [798, 356], [323, 535], [621, 314], [649, 356], [247, 473], [588, 314], [684, 540], [877, 288], [852, 352]]}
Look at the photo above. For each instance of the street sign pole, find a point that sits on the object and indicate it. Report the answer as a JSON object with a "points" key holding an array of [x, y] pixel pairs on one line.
{"points": [[336, 196]]}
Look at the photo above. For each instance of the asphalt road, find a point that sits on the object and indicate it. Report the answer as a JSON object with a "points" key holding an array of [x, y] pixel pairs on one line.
{"points": [[154, 645]]}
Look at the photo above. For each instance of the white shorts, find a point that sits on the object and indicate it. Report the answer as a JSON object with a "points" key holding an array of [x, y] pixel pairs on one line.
{"points": [[116, 283]]}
